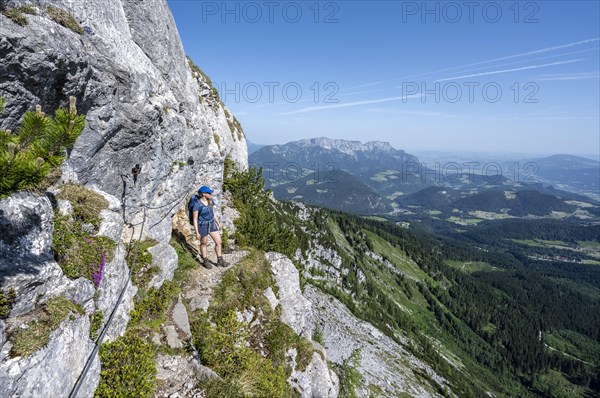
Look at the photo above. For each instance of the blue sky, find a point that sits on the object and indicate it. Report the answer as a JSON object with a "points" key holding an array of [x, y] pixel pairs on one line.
{"points": [[519, 77]]}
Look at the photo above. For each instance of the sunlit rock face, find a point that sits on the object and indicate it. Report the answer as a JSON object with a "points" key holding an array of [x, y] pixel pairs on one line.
{"points": [[154, 133]]}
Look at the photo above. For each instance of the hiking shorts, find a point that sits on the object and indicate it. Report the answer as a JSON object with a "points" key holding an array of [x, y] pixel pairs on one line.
{"points": [[206, 227]]}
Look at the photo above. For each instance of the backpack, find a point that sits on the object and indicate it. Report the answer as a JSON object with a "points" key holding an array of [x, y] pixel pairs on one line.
{"points": [[190, 207]]}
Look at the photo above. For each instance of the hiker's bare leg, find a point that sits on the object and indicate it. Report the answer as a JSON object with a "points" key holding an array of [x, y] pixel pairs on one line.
{"points": [[216, 235], [203, 244]]}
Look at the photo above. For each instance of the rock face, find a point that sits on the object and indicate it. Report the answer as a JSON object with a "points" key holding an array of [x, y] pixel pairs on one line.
{"points": [[27, 265], [68, 351], [165, 258], [177, 375], [384, 364], [140, 97], [352, 156], [148, 110], [295, 308], [317, 380]]}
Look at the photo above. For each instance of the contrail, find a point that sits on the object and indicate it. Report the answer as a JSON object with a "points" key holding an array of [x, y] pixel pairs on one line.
{"points": [[346, 105], [543, 50], [509, 70]]}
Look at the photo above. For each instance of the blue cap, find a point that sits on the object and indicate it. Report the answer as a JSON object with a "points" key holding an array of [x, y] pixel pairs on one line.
{"points": [[205, 189]]}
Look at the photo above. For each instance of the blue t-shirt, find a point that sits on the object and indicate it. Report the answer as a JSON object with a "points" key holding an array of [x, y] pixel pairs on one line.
{"points": [[205, 213]]}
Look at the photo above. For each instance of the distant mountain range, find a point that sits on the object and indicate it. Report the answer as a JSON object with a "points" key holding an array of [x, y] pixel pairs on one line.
{"points": [[252, 147], [375, 178], [351, 156], [575, 173], [341, 191]]}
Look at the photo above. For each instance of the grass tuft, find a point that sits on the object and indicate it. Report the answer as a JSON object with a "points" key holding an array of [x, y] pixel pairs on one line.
{"points": [[143, 270], [86, 203], [6, 302], [62, 17], [27, 341], [95, 322], [17, 16]]}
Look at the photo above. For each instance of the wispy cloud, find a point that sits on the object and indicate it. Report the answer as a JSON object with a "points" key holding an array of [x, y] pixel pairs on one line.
{"points": [[571, 76], [411, 113], [360, 86], [529, 60], [349, 104], [510, 70], [360, 92], [468, 75], [511, 118], [540, 51]]}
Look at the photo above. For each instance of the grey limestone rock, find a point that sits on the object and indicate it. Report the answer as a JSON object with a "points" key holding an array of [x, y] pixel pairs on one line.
{"points": [[296, 310], [67, 350], [273, 300], [384, 363], [140, 98], [180, 318], [172, 337], [165, 258], [317, 380]]}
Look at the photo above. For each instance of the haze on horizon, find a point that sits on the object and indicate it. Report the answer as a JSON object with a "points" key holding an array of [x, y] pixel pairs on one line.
{"points": [[502, 77]]}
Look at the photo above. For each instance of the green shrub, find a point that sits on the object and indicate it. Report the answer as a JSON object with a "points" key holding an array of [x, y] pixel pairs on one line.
{"points": [[128, 368], [185, 260], [28, 10], [241, 287], [16, 15], [257, 225], [95, 322], [56, 310], [281, 338], [224, 388], [62, 17], [78, 252], [318, 335], [27, 158], [6, 302], [225, 238], [154, 302], [142, 270], [230, 346], [77, 249], [350, 377], [2, 104], [222, 347], [86, 203]]}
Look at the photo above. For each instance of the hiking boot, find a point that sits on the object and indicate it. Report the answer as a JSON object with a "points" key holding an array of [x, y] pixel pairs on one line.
{"points": [[207, 263], [221, 262]]}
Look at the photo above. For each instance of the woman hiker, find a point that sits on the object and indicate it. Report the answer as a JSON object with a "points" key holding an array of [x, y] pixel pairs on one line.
{"points": [[207, 223]]}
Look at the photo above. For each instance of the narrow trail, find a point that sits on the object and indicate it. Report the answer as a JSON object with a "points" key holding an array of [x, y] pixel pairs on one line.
{"points": [[199, 287], [178, 375]]}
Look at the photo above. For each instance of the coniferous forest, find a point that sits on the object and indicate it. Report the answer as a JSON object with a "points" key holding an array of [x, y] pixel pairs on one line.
{"points": [[519, 325]]}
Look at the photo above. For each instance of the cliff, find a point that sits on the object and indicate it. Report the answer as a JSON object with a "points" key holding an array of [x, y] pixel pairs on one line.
{"points": [[154, 132]]}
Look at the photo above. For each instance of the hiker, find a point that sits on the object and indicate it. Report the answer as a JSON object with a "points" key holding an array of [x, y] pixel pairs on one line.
{"points": [[207, 223]]}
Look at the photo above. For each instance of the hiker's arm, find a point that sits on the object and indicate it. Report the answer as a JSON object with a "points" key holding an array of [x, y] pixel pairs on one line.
{"points": [[217, 220], [195, 216]]}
